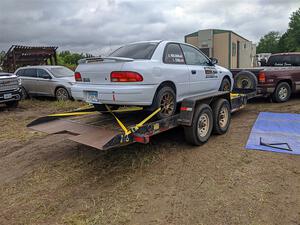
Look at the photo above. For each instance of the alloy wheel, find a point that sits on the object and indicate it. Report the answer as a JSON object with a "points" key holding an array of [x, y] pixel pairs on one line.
{"points": [[167, 104], [62, 94]]}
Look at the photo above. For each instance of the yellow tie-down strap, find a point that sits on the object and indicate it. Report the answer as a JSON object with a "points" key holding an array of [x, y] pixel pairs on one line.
{"points": [[137, 126], [232, 96]]}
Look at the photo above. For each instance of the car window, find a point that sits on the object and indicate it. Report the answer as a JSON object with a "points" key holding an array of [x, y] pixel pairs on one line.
{"points": [[280, 60], [42, 73], [61, 72], [193, 56], [20, 72], [296, 60], [30, 73], [173, 54], [136, 51]]}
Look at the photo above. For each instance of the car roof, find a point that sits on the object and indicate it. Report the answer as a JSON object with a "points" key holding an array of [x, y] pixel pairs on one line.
{"points": [[40, 67], [159, 41]]}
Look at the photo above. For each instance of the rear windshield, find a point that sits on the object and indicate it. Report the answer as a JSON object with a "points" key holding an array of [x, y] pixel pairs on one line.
{"points": [[136, 51], [284, 60], [61, 72]]}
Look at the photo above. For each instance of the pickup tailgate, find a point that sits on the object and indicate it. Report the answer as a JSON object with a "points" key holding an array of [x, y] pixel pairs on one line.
{"points": [[97, 70]]}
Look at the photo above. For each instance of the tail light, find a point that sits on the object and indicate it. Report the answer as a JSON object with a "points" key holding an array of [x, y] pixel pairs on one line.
{"points": [[77, 76], [261, 77], [125, 76]]}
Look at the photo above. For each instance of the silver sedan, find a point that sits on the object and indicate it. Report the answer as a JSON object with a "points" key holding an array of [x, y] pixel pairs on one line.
{"points": [[53, 81]]}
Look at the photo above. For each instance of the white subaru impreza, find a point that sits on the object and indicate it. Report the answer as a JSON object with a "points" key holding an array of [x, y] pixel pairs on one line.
{"points": [[149, 74]]}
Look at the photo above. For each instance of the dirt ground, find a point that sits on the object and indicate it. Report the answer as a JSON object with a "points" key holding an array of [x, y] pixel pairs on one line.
{"points": [[49, 180]]}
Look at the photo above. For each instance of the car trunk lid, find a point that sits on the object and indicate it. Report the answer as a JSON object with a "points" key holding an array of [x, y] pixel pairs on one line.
{"points": [[98, 70]]}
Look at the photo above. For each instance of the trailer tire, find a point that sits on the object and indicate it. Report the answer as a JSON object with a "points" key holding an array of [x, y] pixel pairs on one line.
{"points": [[221, 116], [200, 130]]}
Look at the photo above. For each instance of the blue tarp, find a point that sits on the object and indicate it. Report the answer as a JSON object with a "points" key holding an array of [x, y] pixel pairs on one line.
{"points": [[273, 129]]}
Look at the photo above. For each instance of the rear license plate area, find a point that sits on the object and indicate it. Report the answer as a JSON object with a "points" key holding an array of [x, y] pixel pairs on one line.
{"points": [[92, 96]]}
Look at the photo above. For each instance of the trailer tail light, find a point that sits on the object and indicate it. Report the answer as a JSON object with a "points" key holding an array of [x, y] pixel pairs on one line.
{"points": [[77, 76], [261, 77], [125, 76], [188, 109]]}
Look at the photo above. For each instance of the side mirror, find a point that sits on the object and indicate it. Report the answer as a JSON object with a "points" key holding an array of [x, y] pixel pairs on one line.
{"points": [[213, 61]]}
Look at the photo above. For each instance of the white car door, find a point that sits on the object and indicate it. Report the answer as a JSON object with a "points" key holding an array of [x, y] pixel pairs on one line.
{"points": [[203, 76], [175, 69]]}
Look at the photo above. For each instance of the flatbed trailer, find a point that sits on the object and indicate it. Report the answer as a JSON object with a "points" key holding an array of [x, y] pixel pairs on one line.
{"points": [[200, 116]]}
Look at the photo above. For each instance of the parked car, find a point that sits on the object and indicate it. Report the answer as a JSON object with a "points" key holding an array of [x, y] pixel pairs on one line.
{"points": [[151, 74], [279, 78], [54, 81], [10, 89]]}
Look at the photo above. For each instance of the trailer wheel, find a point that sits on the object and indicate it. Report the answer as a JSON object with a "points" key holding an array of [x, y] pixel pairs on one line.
{"points": [[202, 126], [221, 116]]}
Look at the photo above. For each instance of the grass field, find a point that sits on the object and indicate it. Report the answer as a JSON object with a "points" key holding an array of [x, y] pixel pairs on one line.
{"points": [[45, 179]]}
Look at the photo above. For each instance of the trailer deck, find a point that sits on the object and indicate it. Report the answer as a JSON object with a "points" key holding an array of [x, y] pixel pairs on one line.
{"points": [[119, 128]]}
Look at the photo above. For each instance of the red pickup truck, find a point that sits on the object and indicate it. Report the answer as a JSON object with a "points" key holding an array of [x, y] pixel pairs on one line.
{"points": [[279, 77]]}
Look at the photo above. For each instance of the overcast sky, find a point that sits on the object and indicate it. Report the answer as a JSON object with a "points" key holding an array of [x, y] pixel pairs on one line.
{"points": [[94, 26]]}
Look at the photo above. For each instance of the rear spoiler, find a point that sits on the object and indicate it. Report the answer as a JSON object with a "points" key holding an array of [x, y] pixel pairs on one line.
{"points": [[101, 59]]}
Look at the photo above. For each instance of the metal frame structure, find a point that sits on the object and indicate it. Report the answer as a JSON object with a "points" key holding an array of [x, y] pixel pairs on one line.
{"points": [[18, 56], [88, 127]]}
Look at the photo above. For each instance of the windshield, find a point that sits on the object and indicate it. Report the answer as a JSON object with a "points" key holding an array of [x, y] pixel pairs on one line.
{"points": [[61, 72], [136, 51]]}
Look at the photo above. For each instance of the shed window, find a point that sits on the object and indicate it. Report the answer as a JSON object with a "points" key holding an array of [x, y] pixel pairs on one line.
{"points": [[233, 49]]}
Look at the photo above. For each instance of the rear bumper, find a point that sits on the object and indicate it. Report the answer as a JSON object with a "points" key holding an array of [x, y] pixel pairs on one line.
{"points": [[15, 96], [116, 94]]}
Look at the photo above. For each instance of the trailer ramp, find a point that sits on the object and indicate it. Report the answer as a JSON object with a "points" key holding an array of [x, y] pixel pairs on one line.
{"points": [[103, 131]]}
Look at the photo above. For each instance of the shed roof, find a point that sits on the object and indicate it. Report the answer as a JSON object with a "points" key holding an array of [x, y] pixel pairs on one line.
{"points": [[19, 55]]}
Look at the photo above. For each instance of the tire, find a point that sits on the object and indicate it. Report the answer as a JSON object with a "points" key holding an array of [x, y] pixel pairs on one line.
{"points": [[221, 116], [101, 108], [282, 92], [12, 104], [245, 80], [62, 94], [225, 85], [196, 135], [166, 99], [24, 93]]}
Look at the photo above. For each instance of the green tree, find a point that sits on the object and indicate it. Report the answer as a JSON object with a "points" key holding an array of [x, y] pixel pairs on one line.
{"points": [[293, 32], [2, 54], [269, 43], [69, 59]]}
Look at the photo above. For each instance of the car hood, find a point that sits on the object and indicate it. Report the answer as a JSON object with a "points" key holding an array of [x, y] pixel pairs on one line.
{"points": [[7, 75]]}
